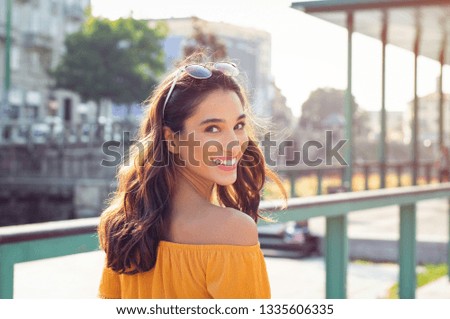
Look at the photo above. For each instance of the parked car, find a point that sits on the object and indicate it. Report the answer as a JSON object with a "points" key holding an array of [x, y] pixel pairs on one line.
{"points": [[40, 133], [292, 237]]}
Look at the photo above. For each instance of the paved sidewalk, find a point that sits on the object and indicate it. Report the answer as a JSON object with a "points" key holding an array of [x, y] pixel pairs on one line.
{"points": [[78, 276], [439, 289], [305, 278], [384, 222], [374, 233]]}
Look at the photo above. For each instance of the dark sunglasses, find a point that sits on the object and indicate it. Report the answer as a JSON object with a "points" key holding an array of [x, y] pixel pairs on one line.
{"points": [[201, 72]]}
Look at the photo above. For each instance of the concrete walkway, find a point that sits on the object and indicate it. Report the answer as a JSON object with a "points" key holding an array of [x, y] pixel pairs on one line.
{"points": [[384, 222], [78, 276], [373, 233]]}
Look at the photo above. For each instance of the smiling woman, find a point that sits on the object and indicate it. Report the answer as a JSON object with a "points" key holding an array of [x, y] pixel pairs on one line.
{"points": [[182, 223]]}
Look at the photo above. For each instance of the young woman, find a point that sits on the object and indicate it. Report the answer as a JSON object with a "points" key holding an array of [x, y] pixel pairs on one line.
{"points": [[182, 223]]}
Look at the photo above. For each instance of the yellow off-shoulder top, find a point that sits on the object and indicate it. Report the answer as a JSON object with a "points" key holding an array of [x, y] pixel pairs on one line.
{"points": [[191, 271]]}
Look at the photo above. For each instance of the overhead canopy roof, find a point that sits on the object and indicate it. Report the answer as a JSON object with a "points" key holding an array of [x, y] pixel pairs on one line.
{"points": [[404, 18]]}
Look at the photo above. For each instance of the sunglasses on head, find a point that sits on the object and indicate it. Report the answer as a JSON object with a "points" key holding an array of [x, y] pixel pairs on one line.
{"points": [[201, 72]]}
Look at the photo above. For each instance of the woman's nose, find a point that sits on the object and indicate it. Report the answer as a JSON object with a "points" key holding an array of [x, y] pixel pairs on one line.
{"points": [[232, 144]]}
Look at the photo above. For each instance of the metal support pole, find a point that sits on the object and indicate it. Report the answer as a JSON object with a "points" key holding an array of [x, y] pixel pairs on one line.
{"points": [[441, 93], [366, 176], [415, 113], [6, 276], [7, 83], [407, 252], [319, 181], [382, 154], [348, 108], [448, 245], [292, 180], [336, 257], [399, 175]]}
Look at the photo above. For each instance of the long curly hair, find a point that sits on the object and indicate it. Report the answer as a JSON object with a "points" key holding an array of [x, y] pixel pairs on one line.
{"points": [[132, 225]]}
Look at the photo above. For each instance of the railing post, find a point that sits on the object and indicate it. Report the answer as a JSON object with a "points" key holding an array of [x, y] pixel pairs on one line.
{"points": [[407, 252], [336, 257], [292, 179], [428, 173], [448, 245], [399, 175], [319, 182], [343, 176], [6, 275], [366, 176]]}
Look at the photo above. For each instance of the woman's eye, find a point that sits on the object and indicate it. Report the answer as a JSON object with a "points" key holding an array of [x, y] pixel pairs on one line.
{"points": [[240, 126], [212, 129]]}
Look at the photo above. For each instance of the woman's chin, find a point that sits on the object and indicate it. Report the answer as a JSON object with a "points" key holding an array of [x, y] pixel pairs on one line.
{"points": [[226, 182]]}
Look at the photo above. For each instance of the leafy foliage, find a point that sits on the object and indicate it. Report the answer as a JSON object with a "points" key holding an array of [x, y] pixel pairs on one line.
{"points": [[204, 42], [325, 108], [117, 60]]}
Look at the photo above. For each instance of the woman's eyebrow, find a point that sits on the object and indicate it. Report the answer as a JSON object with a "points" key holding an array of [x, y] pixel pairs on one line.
{"points": [[216, 120]]}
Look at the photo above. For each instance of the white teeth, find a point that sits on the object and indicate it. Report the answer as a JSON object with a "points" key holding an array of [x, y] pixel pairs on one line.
{"points": [[230, 162]]}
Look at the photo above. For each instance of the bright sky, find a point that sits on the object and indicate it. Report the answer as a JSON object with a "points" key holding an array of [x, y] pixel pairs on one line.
{"points": [[307, 53]]}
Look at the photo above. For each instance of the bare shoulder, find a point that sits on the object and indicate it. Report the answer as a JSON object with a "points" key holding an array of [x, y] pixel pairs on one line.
{"points": [[234, 227]]}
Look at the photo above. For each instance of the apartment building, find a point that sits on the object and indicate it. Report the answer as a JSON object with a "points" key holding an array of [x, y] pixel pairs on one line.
{"points": [[37, 32]]}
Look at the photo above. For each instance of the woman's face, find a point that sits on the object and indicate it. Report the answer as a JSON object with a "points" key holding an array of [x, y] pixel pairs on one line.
{"points": [[214, 138]]}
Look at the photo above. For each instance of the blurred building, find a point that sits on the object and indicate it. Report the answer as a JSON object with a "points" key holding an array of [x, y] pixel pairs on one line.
{"points": [[428, 122], [394, 123], [38, 29], [249, 48]]}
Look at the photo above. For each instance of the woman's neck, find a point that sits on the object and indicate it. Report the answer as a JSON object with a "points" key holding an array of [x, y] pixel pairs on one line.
{"points": [[190, 202], [191, 189]]}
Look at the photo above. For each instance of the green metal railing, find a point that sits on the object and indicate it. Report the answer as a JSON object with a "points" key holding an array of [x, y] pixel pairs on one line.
{"points": [[39, 241], [425, 169], [335, 208]]}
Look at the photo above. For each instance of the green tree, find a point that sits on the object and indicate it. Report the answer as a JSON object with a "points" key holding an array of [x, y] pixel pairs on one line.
{"points": [[117, 60], [325, 108]]}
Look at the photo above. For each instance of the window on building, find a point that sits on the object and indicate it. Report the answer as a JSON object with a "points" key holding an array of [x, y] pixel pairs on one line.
{"points": [[32, 112], [67, 109], [35, 3], [33, 100], [15, 58], [34, 23], [54, 7], [35, 65], [14, 111]]}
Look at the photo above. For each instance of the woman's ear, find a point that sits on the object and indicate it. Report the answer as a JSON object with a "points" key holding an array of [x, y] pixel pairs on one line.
{"points": [[170, 139]]}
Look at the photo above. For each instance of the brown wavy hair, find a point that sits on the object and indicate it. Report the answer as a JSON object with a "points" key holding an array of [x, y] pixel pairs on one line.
{"points": [[135, 219]]}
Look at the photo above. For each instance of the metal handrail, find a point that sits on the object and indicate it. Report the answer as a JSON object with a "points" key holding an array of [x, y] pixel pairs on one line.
{"points": [[46, 240]]}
